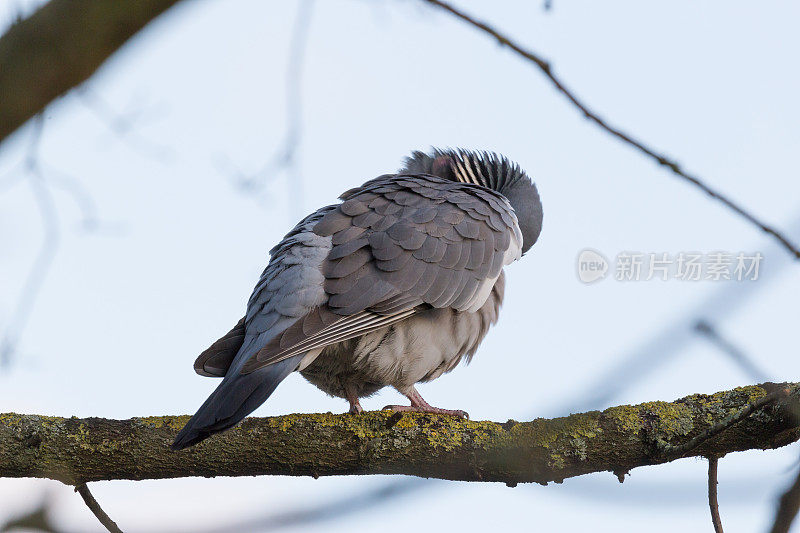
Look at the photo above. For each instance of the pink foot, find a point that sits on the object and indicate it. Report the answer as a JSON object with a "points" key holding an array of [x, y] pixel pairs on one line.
{"points": [[419, 405], [352, 398]]}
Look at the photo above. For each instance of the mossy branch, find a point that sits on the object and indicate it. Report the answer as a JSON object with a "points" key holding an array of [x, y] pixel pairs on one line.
{"points": [[59, 47], [618, 439]]}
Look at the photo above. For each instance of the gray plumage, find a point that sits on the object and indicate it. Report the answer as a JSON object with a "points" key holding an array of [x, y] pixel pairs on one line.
{"points": [[392, 286]]}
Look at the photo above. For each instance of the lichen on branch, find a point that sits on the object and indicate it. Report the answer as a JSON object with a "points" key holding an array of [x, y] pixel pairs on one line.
{"points": [[618, 439]]}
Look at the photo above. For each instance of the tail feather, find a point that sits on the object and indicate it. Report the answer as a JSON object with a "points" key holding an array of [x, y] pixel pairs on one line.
{"points": [[217, 358], [236, 397]]}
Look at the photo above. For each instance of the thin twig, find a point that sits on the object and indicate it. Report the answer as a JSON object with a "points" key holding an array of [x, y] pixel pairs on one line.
{"points": [[713, 502], [47, 251], [285, 158], [788, 507], [732, 351], [673, 452], [660, 158], [123, 125], [42, 179], [98, 511]]}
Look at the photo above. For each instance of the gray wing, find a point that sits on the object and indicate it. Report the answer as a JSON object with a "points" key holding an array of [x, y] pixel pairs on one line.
{"points": [[400, 244], [290, 287]]}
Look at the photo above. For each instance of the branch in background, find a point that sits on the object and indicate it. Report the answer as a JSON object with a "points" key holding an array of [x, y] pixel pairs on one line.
{"points": [[41, 181], [44, 258], [713, 501], [304, 516], [731, 350], [59, 47], [660, 158], [123, 124], [95, 508], [285, 157], [787, 508], [618, 439]]}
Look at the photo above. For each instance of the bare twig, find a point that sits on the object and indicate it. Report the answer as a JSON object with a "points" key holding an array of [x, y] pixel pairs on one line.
{"points": [[123, 125], [98, 511], [732, 351], [660, 158], [788, 508], [285, 158], [47, 251], [80, 195], [713, 501], [42, 179]]}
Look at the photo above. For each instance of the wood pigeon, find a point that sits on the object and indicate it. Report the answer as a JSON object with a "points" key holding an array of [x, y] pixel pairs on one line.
{"points": [[393, 286]]}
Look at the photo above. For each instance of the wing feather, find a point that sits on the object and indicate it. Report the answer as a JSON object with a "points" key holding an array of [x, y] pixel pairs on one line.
{"points": [[216, 359]]}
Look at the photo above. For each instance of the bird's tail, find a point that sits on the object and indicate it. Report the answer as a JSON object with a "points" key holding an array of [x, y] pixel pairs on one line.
{"points": [[236, 397]]}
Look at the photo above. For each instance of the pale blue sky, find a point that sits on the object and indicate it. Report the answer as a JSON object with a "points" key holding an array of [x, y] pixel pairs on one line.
{"points": [[125, 310]]}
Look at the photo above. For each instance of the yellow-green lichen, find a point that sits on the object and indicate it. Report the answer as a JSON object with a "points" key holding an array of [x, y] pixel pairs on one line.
{"points": [[626, 419], [15, 420], [80, 437], [172, 422], [441, 432], [672, 419]]}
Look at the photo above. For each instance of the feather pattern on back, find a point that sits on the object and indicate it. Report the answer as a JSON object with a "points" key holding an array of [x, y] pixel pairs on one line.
{"points": [[401, 244]]}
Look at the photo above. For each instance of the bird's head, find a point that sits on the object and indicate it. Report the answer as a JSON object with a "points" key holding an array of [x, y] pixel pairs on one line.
{"points": [[489, 170]]}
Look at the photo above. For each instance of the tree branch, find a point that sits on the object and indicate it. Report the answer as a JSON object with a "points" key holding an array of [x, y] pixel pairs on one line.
{"points": [[603, 124], [670, 451], [76, 451], [59, 47]]}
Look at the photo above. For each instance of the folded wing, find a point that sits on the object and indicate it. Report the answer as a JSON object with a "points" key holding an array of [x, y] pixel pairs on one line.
{"points": [[399, 244]]}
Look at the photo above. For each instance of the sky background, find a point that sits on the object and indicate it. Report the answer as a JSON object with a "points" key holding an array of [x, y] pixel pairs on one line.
{"points": [[177, 245]]}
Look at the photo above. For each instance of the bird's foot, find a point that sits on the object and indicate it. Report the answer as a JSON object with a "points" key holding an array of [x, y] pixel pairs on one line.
{"points": [[428, 409], [419, 405], [352, 398]]}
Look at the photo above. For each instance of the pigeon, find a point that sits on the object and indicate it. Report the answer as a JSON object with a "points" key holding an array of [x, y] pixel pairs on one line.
{"points": [[393, 286]]}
